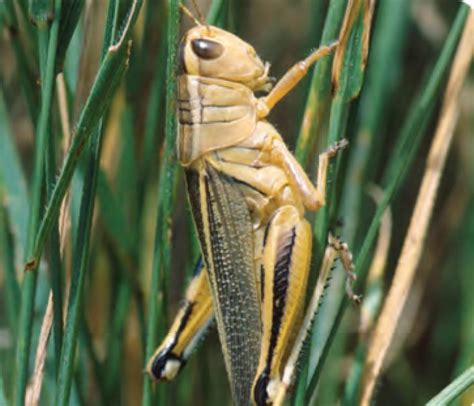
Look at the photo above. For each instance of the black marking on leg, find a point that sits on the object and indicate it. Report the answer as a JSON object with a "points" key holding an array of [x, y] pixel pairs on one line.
{"points": [[159, 364], [260, 394], [280, 287], [160, 361]]}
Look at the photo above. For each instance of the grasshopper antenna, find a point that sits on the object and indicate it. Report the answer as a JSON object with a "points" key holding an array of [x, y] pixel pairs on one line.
{"points": [[186, 11], [198, 11]]}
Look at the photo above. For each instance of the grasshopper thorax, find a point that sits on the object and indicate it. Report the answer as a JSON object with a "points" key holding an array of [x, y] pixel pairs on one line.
{"points": [[211, 52]]}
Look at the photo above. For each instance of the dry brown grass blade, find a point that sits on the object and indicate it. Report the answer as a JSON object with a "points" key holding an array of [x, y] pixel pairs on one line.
{"points": [[33, 391], [64, 215], [414, 241]]}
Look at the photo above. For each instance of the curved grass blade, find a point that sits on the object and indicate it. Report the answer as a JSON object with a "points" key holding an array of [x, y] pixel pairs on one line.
{"points": [[454, 389], [81, 259], [108, 77]]}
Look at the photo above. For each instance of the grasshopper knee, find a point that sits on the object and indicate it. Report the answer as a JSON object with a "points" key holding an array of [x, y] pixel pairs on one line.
{"points": [[166, 365], [260, 394], [265, 389]]}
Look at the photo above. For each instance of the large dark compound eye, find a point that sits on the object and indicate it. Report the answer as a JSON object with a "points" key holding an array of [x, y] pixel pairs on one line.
{"points": [[207, 49]]}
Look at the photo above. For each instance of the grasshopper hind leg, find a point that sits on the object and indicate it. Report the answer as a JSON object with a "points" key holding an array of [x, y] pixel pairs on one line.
{"points": [[335, 249], [189, 326], [285, 260]]}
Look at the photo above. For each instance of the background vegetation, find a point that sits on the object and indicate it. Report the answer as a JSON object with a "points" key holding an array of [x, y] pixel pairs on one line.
{"points": [[88, 178]]}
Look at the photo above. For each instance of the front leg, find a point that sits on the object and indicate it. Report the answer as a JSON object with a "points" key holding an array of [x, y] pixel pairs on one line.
{"points": [[291, 78]]}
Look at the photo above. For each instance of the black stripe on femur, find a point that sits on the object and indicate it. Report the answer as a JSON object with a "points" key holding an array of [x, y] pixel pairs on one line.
{"points": [[160, 361], [280, 287], [185, 319]]}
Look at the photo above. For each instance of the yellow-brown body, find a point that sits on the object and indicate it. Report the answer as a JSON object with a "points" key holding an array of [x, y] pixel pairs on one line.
{"points": [[242, 180]]}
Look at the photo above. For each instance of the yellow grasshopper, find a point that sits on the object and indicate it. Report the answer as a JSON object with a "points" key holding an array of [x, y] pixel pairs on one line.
{"points": [[248, 196]]}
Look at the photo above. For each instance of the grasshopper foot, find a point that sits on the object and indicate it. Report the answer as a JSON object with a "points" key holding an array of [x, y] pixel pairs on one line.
{"points": [[338, 146]]}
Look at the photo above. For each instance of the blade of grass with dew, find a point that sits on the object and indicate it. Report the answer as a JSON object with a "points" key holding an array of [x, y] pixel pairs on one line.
{"points": [[166, 193], [413, 130], [454, 389], [47, 39], [319, 95], [13, 183], [86, 213]]}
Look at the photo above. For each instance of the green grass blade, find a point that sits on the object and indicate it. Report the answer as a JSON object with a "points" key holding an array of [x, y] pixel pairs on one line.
{"points": [[81, 259], [454, 389], [69, 19], [55, 265], [41, 12], [165, 192], [12, 182], [414, 130], [27, 81], [48, 43], [384, 60], [348, 75], [317, 104], [108, 77], [12, 289], [319, 95]]}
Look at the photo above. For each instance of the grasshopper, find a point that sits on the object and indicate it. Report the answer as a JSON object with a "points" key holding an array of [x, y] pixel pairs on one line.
{"points": [[248, 196]]}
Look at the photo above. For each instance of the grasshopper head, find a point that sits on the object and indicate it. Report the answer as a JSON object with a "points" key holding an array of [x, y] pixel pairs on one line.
{"points": [[215, 53]]}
